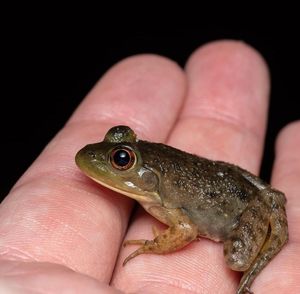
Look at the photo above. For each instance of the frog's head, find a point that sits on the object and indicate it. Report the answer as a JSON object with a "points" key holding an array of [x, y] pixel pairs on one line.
{"points": [[116, 163]]}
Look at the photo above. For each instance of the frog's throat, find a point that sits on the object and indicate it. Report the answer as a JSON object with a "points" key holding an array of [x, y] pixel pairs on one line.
{"points": [[149, 198]]}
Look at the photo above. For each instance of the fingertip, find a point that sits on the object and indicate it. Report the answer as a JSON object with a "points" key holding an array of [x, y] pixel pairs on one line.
{"points": [[286, 168], [234, 66], [126, 93], [227, 99], [150, 62], [289, 137], [235, 53]]}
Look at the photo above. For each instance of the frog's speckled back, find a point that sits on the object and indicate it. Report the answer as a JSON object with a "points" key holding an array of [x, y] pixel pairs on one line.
{"points": [[213, 193]]}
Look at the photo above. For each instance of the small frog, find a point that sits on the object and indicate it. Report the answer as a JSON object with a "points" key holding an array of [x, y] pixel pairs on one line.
{"points": [[193, 196]]}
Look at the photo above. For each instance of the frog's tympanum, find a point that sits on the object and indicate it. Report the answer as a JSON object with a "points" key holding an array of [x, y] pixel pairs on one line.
{"points": [[194, 197]]}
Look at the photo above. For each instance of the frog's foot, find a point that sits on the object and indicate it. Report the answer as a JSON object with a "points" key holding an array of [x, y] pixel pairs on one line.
{"points": [[155, 231], [180, 233], [244, 290], [170, 240], [141, 250]]}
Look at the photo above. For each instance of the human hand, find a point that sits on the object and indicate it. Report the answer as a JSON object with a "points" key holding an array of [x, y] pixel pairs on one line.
{"points": [[62, 232]]}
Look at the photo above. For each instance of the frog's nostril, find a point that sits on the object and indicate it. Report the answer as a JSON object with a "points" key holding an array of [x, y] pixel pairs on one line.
{"points": [[91, 154]]}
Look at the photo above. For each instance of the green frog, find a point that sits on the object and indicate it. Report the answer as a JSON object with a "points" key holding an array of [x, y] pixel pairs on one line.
{"points": [[195, 197]]}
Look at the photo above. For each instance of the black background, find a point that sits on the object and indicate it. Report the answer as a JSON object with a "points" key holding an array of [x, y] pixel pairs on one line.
{"points": [[48, 73]]}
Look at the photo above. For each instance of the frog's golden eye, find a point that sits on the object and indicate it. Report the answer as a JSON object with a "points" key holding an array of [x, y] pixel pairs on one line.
{"points": [[122, 158]]}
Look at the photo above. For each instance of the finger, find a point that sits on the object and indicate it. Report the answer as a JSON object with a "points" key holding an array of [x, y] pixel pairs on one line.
{"points": [[54, 213], [225, 113], [223, 118], [282, 274], [47, 278]]}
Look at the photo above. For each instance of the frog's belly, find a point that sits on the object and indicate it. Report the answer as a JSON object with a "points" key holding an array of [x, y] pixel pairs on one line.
{"points": [[214, 224]]}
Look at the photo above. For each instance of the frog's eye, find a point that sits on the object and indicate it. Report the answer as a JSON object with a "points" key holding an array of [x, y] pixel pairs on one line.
{"points": [[122, 158]]}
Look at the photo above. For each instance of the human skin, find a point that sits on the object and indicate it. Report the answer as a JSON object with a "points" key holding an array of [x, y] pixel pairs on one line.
{"points": [[60, 231]]}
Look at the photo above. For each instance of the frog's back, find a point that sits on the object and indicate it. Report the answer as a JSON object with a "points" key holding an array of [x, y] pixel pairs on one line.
{"points": [[212, 193]]}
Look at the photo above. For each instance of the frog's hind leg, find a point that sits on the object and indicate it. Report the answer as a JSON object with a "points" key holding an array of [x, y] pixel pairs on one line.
{"points": [[276, 239], [246, 240]]}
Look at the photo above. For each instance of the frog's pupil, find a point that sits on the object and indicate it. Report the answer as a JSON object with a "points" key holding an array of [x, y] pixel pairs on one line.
{"points": [[121, 158]]}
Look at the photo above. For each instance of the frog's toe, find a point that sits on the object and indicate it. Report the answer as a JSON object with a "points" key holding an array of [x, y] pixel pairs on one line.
{"points": [[134, 254], [134, 242]]}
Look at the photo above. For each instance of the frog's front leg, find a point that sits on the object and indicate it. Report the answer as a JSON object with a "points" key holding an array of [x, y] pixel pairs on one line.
{"points": [[181, 232]]}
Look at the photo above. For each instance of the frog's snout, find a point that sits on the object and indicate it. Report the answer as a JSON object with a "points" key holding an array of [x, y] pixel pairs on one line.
{"points": [[84, 155]]}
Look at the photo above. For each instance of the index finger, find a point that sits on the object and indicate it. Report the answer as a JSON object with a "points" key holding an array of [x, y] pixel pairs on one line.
{"points": [[56, 214]]}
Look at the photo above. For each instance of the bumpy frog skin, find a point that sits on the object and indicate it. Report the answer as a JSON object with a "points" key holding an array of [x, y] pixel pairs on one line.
{"points": [[195, 197]]}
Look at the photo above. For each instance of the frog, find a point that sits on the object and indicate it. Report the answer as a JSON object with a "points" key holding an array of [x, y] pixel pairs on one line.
{"points": [[195, 197]]}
